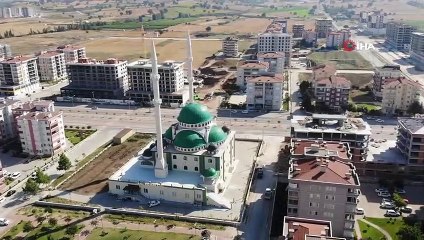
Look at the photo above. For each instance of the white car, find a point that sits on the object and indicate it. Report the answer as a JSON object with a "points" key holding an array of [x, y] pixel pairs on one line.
{"points": [[377, 190], [387, 200], [15, 175], [384, 194], [360, 211], [392, 213], [153, 203], [2, 199], [4, 222], [245, 111], [387, 205]]}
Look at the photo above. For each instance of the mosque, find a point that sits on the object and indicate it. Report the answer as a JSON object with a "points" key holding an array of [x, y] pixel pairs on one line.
{"points": [[191, 163]]}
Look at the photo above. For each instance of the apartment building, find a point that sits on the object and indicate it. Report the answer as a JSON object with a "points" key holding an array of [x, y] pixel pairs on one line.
{"points": [[19, 76], [323, 187], [171, 82], [417, 50], [410, 142], [323, 71], [310, 36], [399, 93], [5, 51], [42, 133], [72, 53], [250, 69], [323, 27], [275, 61], [380, 76], [230, 47], [89, 78], [51, 66], [276, 42], [265, 92], [278, 25], [333, 92], [307, 229], [7, 119], [399, 35], [376, 22], [336, 39], [298, 29], [339, 128]]}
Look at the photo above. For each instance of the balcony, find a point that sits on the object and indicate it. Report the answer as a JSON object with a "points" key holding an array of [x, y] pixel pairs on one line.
{"points": [[350, 208], [353, 192], [293, 194]]}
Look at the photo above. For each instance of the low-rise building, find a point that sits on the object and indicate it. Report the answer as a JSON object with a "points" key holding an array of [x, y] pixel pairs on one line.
{"points": [[323, 27], [337, 39], [399, 93], [51, 66], [250, 69], [333, 92], [72, 53], [410, 142], [307, 229], [265, 92], [230, 47], [275, 61], [417, 50], [19, 76], [399, 35], [298, 29], [380, 76]]}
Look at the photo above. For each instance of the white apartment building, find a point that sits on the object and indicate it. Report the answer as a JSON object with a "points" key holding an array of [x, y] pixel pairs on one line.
{"points": [[376, 23], [72, 53], [230, 47], [383, 73], [7, 119], [51, 66], [276, 42], [322, 186], [275, 61], [250, 69], [323, 27], [171, 82], [19, 76], [336, 39], [399, 35], [417, 50], [398, 94], [265, 92], [5, 51]]}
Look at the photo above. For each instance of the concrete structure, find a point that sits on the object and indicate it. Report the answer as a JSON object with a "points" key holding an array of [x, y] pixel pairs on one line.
{"points": [[417, 50], [322, 186], [339, 128], [171, 83], [5, 52], [276, 39], [333, 92], [7, 120], [122, 136], [250, 69], [375, 23], [380, 76], [310, 36], [398, 94], [42, 133], [410, 141], [97, 79], [323, 27], [307, 229], [72, 53], [298, 29], [275, 61], [19, 76], [51, 66], [230, 47], [399, 35], [336, 39], [278, 25], [265, 92]]}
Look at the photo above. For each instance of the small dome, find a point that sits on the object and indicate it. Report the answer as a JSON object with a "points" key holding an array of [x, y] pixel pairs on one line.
{"points": [[189, 139], [168, 134], [194, 113], [216, 135], [210, 173]]}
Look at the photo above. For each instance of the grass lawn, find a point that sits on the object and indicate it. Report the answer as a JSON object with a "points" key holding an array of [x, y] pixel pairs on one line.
{"points": [[113, 234], [343, 60], [15, 230], [417, 23], [391, 226], [41, 232], [185, 9], [369, 107], [155, 24], [298, 11], [77, 135], [369, 232]]}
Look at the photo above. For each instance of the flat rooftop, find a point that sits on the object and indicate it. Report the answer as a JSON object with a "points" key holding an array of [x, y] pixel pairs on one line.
{"points": [[413, 125], [307, 229], [339, 125], [320, 149], [146, 63], [384, 152]]}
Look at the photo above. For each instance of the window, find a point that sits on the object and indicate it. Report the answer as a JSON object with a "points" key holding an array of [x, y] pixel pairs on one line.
{"points": [[196, 169], [187, 195], [118, 187], [185, 167], [329, 206], [292, 210], [209, 160], [198, 196], [311, 195], [145, 190], [313, 204], [185, 158], [330, 197], [293, 202], [174, 194], [328, 214], [314, 213], [330, 189], [174, 156], [175, 166], [196, 159]]}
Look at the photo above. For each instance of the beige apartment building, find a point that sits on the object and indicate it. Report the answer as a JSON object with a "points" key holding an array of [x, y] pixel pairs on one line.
{"points": [[230, 47], [297, 30], [250, 69], [417, 49], [51, 66], [381, 74], [323, 27], [275, 61], [399, 35], [265, 92], [19, 76], [333, 92], [398, 94], [72, 53], [322, 186], [276, 39]]}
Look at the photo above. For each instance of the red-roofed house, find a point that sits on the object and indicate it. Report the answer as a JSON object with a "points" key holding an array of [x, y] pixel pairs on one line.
{"points": [[307, 229]]}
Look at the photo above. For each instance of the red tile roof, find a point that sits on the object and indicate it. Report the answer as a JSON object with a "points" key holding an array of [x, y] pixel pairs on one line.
{"points": [[18, 59], [49, 54], [254, 65], [323, 71], [301, 228], [277, 78], [333, 80], [394, 82]]}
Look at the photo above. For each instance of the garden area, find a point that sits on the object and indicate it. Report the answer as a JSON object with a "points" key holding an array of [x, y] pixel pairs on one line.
{"points": [[399, 228], [369, 232], [342, 60], [75, 136]]}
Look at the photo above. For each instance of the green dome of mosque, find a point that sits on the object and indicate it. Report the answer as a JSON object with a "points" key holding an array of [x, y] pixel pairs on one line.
{"points": [[189, 139], [194, 113], [210, 173], [168, 133], [216, 135]]}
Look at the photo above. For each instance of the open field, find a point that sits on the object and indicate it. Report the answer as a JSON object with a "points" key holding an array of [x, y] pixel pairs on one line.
{"points": [[343, 60], [75, 136], [156, 24], [113, 234], [93, 178], [369, 232]]}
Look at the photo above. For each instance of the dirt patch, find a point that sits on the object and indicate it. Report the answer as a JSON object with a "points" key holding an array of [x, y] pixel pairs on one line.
{"points": [[358, 79], [93, 178]]}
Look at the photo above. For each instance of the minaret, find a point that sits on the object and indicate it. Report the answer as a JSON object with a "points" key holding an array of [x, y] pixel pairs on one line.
{"points": [[190, 69], [161, 168]]}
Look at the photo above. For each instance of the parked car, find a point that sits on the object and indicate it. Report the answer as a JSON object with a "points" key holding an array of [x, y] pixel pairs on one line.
{"points": [[2, 199], [400, 191], [4, 222], [10, 193], [384, 194], [387, 205], [360, 211], [387, 200], [406, 209], [245, 111], [15, 175], [268, 193], [377, 190], [260, 172], [233, 111], [153, 203], [392, 213]]}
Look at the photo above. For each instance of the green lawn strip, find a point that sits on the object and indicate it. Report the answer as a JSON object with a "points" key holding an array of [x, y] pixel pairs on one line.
{"points": [[300, 11], [391, 226], [417, 23], [159, 221], [43, 232], [175, 10], [113, 234], [368, 106], [15, 230], [77, 135], [369, 232]]}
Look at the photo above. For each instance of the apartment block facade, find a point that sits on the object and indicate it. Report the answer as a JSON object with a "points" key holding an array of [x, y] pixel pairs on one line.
{"points": [[276, 42], [297, 30], [265, 92], [398, 94], [51, 66], [399, 35], [376, 23], [336, 39], [310, 36], [417, 50], [380, 76], [410, 141], [89, 78], [171, 82], [333, 92], [72, 53], [323, 27], [7, 125], [250, 69], [230, 47], [275, 61], [19, 76], [5, 51]]}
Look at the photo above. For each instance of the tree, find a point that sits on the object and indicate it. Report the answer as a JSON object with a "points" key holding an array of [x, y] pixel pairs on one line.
{"points": [[415, 107], [263, 15], [41, 177], [407, 232], [64, 163], [208, 28], [398, 200], [53, 221], [304, 86], [41, 219], [28, 226], [72, 230], [31, 187]]}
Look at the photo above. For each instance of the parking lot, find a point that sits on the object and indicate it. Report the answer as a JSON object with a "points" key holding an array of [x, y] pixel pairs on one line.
{"points": [[370, 202]]}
